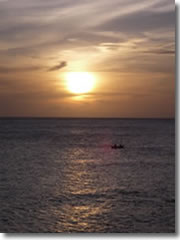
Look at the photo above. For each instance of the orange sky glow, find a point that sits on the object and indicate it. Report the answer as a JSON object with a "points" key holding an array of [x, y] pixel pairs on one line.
{"points": [[123, 52]]}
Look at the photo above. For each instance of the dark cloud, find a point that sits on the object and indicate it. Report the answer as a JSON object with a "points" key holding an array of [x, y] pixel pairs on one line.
{"points": [[164, 52], [19, 69], [19, 51], [140, 21], [6, 70], [58, 66]]}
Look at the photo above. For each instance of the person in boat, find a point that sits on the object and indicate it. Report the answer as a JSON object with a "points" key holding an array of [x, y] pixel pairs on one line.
{"points": [[115, 146], [121, 146]]}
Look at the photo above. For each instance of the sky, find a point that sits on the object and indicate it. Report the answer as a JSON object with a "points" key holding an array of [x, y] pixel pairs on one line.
{"points": [[128, 46]]}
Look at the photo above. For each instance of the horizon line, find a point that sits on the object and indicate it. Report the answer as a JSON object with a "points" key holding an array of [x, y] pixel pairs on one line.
{"points": [[55, 117]]}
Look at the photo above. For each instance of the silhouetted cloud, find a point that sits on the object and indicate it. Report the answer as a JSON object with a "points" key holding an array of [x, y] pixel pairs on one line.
{"points": [[58, 66]]}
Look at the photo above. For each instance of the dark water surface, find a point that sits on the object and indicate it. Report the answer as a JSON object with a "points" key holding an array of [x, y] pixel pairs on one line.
{"points": [[61, 175]]}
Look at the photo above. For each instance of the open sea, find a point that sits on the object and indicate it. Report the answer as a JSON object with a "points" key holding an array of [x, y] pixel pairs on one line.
{"points": [[61, 175]]}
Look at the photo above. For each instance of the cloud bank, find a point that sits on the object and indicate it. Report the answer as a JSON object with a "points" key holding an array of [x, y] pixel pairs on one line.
{"points": [[115, 37]]}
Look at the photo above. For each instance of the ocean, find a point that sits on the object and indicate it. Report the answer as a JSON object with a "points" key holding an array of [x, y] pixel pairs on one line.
{"points": [[61, 175]]}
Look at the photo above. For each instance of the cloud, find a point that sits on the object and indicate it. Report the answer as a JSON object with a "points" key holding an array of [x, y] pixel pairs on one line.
{"points": [[58, 66], [117, 94], [6, 70], [138, 22], [120, 37], [19, 69], [164, 52]]}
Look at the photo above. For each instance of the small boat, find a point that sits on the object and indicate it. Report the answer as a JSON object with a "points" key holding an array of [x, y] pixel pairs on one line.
{"points": [[117, 146]]}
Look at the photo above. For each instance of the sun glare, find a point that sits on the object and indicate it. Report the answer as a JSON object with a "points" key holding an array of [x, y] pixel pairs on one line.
{"points": [[80, 82]]}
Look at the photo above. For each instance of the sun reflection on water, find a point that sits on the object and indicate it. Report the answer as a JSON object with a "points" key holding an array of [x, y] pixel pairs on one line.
{"points": [[81, 209]]}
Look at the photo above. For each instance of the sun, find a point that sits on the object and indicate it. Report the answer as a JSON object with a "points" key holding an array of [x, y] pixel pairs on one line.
{"points": [[80, 82]]}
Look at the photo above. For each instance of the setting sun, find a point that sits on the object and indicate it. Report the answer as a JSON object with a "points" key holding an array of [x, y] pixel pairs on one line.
{"points": [[80, 82]]}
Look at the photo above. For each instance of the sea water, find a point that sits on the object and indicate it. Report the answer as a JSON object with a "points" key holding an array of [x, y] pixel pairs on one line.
{"points": [[61, 175]]}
